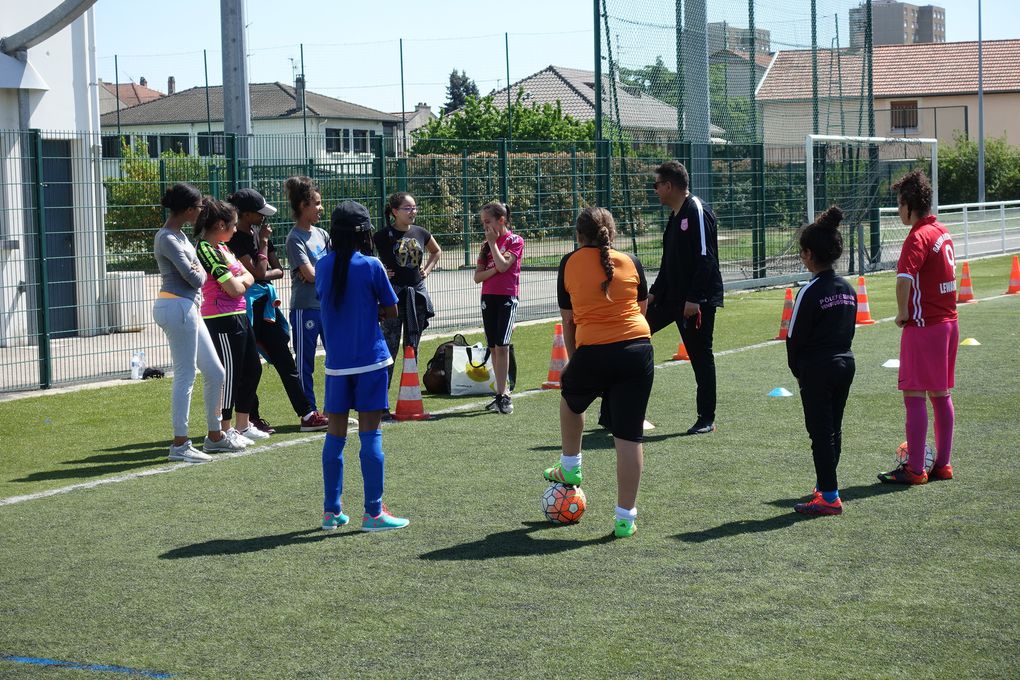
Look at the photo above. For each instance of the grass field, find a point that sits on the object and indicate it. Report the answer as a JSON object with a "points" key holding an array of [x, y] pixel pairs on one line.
{"points": [[220, 571]]}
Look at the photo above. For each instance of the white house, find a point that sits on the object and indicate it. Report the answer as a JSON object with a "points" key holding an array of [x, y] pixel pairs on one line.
{"points": [[52, 88]]}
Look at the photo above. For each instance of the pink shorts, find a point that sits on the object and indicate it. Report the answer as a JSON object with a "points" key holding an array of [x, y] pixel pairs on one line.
{"points": [[928, 357]]}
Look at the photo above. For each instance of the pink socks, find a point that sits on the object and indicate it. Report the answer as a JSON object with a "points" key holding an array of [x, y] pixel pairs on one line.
{"points": [[917, 431], [945, 418]]}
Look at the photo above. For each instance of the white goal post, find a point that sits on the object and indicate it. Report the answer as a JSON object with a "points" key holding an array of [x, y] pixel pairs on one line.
{"points": [[809, 150]]}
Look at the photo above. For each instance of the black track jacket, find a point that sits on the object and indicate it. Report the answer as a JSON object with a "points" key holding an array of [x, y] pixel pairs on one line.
{"points": [[690, 258], [823, 321]]}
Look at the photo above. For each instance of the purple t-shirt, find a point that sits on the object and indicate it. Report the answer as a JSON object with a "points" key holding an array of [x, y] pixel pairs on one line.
{"points": [[508, 282]]}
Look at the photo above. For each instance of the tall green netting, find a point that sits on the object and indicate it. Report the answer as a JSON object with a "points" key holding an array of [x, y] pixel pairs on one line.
{"points": [[744, 81]]}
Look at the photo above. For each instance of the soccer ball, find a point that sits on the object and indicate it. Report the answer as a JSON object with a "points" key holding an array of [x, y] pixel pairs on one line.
{"points": [[929, 456], [563, 504]]}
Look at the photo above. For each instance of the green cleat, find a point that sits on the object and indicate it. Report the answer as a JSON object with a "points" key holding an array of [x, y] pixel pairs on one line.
{"points": [[558, 473], [625, 528]]}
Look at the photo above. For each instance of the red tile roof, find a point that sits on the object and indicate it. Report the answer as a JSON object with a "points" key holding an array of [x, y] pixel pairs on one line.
{"points": [[921, 69], [131, 94]]}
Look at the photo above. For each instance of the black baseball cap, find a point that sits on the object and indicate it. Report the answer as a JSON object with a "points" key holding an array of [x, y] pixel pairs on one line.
{"points": [[249, 200], [351, 216]]}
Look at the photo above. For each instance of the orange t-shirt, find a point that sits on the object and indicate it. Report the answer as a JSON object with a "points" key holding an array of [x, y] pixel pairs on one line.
{"points": [[599, 320]]}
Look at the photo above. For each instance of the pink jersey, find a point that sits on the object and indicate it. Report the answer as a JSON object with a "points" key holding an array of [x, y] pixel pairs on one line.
{"points": [[928, 260], [220, 264], [509, 282]]}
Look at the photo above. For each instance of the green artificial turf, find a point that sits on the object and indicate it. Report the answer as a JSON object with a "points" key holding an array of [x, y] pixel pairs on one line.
{"points": [[220, 571]]}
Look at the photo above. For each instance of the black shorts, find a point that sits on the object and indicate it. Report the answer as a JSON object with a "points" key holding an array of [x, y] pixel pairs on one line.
{"points": [[499, 313], [621, 372]]}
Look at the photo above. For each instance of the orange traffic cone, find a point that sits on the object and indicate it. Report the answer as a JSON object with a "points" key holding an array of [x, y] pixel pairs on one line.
{"points": [[863, 311], [409, 404], [966, 293], [557, 361], [681, 353], [1014, 277], [784, 322]]}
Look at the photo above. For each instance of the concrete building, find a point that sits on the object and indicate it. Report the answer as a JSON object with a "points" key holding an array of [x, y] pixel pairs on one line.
{"points": [[898, 23], [123, 95], [725, 36], [413, 120]]}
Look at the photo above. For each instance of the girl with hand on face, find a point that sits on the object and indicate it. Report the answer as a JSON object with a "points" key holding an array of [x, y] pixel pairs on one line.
{"points": [[306, 244], [499, 271]]}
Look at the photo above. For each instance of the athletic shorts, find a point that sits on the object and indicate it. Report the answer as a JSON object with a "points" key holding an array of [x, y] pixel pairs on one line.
{"points": [[499, 312], [928, 357], [621, 372], [359, 392]]}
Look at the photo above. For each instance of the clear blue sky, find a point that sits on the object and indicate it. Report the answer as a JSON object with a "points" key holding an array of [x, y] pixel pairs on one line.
{"points": [[352, 48]]}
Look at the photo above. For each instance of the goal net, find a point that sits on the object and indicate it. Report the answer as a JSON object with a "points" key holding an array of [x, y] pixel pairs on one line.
{"points": [[857, 174]]}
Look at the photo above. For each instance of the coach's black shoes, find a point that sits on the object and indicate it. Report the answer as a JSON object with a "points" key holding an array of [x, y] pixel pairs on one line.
{"points": [[701, 427]]}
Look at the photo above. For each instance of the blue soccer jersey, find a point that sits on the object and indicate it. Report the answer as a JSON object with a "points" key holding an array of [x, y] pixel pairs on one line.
{"points": [[351, 334]]}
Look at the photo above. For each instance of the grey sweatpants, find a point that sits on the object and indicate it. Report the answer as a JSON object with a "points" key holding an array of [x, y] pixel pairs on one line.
{"points": [[191, 348]]}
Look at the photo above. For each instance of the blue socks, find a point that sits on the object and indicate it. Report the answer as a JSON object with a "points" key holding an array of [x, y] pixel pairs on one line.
{"points": [[830, 496], [332, 472], [372, 470]]}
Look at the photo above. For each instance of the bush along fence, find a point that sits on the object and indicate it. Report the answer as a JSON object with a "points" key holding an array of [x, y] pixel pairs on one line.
{"points": [[79, 211]]}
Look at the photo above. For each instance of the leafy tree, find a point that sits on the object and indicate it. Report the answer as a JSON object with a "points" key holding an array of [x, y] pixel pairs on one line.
{"points": [[460, 88], [958, 171], [655, 79], [481, 119]]}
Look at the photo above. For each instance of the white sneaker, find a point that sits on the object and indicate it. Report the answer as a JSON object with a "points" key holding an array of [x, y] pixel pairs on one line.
{"points": [[238, 437], [253, 433], [188, 453], [226, 444]]}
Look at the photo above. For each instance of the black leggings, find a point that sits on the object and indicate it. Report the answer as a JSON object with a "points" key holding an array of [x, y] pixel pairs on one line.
{"points": [[824, 389], [698, 341], [275, 344], [235, 344]]}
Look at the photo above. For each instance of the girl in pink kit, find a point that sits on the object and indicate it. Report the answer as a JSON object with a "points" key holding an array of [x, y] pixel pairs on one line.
{"points": [[926, 302], [499, 272]]}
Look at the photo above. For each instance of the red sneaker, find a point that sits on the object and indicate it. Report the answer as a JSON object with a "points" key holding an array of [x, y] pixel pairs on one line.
{"points": [[314, 422], [263, 424], [903, 475], [819, 506], [942, 472]]}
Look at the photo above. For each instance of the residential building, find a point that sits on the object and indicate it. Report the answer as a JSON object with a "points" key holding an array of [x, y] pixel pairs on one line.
{"points": [[642, 117], [920, 90], [722, 36], [123, 95], [410, 122], [323, 129], [53, 89], [898, 23]]}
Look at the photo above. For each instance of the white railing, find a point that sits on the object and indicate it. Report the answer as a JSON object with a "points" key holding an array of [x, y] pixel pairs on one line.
{"points": [[978, 228]]}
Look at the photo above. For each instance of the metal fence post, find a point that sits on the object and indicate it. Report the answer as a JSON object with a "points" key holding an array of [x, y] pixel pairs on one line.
{"points": [[466, 203], [380, 163], [1002, 224], [162, 183], [966, 233], [42, 295], [232, 164], [573, 189], [402, 174], [538, 193], [758, 250], [504, 172]]}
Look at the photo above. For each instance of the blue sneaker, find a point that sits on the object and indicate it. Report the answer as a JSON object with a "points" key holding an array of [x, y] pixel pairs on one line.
{"points": [[331, 521], [383, 521]]}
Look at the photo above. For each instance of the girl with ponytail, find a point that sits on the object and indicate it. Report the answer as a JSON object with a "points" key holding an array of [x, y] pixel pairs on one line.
{"points": [[602, 295], [499, 271], [819, 355], [354, 292]]}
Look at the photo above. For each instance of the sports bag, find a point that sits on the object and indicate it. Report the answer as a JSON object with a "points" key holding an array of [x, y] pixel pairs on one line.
{"points": [[436, 378]]}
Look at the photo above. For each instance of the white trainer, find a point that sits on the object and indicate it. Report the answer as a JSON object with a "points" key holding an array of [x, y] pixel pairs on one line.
{"points": [[238, 437], [253, 433], [225, 444], [188, 453]]}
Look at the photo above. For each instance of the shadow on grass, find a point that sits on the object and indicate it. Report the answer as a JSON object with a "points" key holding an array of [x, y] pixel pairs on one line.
{"points": [[515, 543], [600, 439], [91, 471], [154, 452], [240, 546], [754, 526]]}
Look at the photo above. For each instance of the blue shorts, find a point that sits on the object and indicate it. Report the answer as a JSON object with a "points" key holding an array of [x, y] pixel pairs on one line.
{"points": [[361, 392]]}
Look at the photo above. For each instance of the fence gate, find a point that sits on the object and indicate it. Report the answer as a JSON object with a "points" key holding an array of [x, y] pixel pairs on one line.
{"points": [[59, 220]]}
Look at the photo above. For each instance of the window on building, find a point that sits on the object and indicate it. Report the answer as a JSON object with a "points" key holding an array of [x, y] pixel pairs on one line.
{"points": [[153, 143], [335, 138], [211, 144], [112, 146], [175, 143], [360, 141], [904, 115]]}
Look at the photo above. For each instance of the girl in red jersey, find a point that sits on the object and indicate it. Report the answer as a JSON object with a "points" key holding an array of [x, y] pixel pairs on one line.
{"points": [[926, 304]]}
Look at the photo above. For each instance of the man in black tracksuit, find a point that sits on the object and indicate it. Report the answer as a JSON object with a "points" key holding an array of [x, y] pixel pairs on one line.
{"points": [[689, 286], [819, 355]]}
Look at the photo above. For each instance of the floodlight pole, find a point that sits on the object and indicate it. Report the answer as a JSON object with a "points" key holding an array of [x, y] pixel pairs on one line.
{"points": [[236, 97], [981, 115], [403, 107]]}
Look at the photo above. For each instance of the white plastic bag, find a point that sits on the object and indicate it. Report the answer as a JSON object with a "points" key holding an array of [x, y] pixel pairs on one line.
{"points": [[472, 371]]}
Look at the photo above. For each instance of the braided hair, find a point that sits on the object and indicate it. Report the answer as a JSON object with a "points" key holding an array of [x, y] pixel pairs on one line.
{"points": [[597, 227], [822, 237]]}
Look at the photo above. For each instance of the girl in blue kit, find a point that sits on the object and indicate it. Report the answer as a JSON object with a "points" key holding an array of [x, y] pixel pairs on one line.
{"points": [[352, 286]]}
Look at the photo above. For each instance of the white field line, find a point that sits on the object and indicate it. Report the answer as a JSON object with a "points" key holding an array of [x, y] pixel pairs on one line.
{"points": [[317, 436]]}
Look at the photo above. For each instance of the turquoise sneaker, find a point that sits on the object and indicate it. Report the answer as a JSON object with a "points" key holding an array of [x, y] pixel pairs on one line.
{"points": [[625, 528], [383, 522], [331, 521], [558, 473]]}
